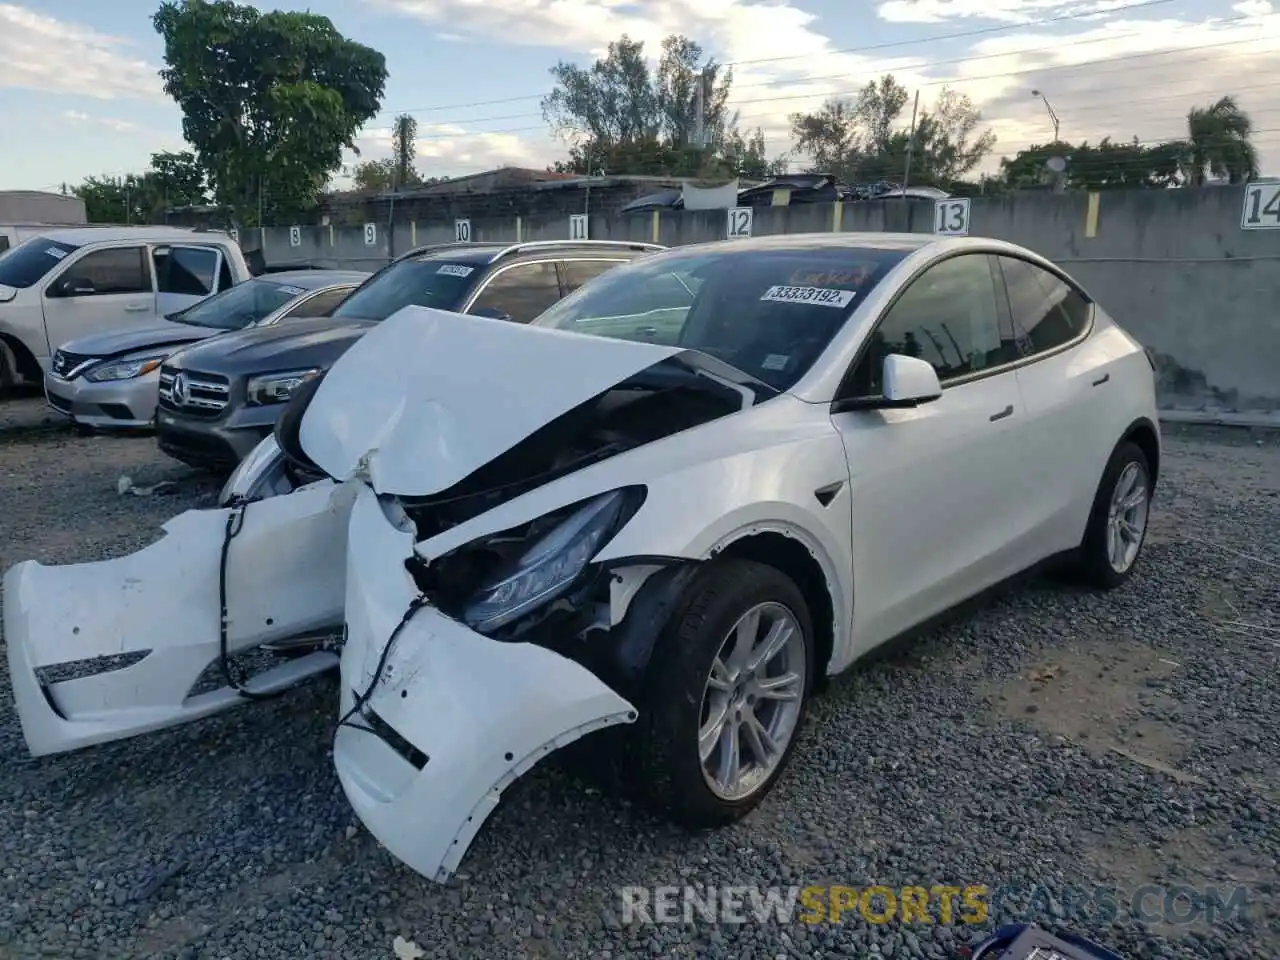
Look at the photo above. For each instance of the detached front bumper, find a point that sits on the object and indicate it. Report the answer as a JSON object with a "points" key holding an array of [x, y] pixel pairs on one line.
{"points": [[160, 608], [455, 718], [118, 404]]}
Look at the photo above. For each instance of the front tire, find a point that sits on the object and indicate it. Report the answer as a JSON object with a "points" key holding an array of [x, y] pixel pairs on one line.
{"points": [[1118, 524], [725, 695]]}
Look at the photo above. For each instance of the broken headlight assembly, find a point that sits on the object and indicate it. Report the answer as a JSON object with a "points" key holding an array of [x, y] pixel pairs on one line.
{"points": [[496, 580]]}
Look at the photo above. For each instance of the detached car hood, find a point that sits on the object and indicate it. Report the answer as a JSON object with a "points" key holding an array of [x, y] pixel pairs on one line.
{"points": [[137, 338], [293, 344], [428, 396]]}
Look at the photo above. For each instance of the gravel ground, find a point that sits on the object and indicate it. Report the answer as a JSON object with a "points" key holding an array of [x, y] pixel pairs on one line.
{"points": [[1051, 740]]}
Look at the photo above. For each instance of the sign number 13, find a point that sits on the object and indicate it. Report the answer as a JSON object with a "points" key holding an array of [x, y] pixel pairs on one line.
{"points": [[951, 217]]}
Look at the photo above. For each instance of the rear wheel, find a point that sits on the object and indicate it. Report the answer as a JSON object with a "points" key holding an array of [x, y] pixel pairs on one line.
{"points": [[1118, 524], [725, 696]]}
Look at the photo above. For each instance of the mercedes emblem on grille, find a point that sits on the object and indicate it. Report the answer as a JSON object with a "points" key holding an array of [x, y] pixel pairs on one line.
{"points": [[179, 389]]}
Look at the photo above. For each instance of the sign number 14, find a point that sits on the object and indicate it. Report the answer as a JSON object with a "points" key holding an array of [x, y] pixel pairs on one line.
{"points": [[1261, 206]]}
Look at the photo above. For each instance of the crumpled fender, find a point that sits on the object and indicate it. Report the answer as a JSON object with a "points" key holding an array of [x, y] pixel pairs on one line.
{"points": [[285, 576], [455, 718]]}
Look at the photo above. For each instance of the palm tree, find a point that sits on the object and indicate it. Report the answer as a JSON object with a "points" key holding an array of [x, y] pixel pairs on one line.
{"points": [[1218, 144]]}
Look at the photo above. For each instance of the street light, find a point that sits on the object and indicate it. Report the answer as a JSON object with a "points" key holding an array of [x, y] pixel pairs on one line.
{"points": [[1052, 116]]}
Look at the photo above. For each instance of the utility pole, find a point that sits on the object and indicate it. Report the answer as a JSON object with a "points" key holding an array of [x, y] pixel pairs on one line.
{"points": [[911, 142], [1052, 116]]}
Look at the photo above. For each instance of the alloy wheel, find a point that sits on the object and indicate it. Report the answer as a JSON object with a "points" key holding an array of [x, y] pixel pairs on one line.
{"points": [[752, 700], [1127, 516]]}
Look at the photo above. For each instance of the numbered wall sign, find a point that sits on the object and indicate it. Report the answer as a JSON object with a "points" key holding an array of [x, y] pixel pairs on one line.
{"points": [[370, 234], [1261, 206], [739, 223], [295, 236], [462, 231], [951, 217], [578, 226]]}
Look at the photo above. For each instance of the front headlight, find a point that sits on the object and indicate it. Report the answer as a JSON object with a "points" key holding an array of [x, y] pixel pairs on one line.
{"points": [[124, 369], [277, 387], [547, 569]]}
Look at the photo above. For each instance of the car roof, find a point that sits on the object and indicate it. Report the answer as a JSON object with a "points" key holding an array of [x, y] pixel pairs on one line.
{"points": [[79, 236], [314, 279]]}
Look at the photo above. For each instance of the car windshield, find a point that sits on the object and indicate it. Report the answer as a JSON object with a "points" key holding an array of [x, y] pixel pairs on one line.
{"points": [[28, 262], [240, 306], [421, 283], [769, 312]]}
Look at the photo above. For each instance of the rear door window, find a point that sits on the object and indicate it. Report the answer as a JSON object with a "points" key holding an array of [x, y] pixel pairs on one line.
{"points": [[1046, 311], [190, 271], [520, 292]]}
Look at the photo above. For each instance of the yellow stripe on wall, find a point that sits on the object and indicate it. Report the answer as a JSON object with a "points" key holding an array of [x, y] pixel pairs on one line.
{"points": [[1091, 218]]}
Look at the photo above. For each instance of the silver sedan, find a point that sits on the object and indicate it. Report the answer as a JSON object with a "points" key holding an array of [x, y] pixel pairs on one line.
{"points": [[111, 380]]}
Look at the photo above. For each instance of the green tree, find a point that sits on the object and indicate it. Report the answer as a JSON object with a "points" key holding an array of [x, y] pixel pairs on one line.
{"points": [[867, 138], [620, 117], [405, 132], [1106, 165], [177, 178], [1219, 143], [269, 100]]}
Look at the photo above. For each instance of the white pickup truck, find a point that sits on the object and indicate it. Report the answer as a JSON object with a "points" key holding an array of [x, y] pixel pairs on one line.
{"points": [[66, 283]]}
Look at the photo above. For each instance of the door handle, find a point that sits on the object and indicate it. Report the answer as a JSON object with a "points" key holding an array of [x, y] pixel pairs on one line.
{"points": [[1006, 412], [135, 307], [1104, 379]]}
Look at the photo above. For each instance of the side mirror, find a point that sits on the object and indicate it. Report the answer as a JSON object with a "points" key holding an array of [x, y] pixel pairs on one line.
{"points": [[493, 313], [75, 287], [909, 380]]}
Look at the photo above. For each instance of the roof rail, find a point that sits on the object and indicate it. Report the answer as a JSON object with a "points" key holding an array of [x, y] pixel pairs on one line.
{"points": [[604, 244], [427, 247]]}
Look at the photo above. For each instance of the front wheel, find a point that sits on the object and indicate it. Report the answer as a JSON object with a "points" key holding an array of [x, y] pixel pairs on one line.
{"points": [[1118, 524], [726, 693]]}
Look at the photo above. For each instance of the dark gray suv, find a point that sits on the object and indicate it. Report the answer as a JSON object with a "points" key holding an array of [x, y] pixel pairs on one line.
{"points": [[219, 398]]}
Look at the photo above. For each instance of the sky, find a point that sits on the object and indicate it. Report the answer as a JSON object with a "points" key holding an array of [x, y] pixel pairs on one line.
{"points": [[80, 94]]}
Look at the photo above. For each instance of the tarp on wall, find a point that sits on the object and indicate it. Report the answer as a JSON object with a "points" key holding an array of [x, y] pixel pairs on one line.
{"points": [[710, 198]]}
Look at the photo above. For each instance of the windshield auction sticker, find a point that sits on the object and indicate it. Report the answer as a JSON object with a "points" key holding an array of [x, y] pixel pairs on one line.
{"points": [[818, 296], [455, 270]]}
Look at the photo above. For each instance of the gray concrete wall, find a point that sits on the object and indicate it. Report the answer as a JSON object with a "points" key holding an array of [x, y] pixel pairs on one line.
{"points": [[1172, 266]]}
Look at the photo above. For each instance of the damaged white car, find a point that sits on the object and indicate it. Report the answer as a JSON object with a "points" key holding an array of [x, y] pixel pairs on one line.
{"points": [[673, 505]]}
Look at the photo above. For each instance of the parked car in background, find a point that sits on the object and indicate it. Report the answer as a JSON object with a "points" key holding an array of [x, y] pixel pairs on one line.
{"points": [[219, 399], [66, 284], [112, 379]]}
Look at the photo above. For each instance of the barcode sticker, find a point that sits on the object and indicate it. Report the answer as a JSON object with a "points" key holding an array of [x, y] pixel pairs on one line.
{"points": [[455, 270], [818, 296]]}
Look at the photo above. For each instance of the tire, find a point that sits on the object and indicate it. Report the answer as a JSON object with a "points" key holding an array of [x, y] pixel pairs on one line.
{"points": [[1097, 566], [9, 377], [663, 762]]}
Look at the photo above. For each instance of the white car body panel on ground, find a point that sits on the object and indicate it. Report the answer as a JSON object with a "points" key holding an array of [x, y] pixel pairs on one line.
{"points": [[901, 511]]}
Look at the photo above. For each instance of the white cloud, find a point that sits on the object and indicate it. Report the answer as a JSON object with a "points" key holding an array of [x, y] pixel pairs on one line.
{"points": [[111, 123], [1253, 8], [448, 149], [56, 56]]}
